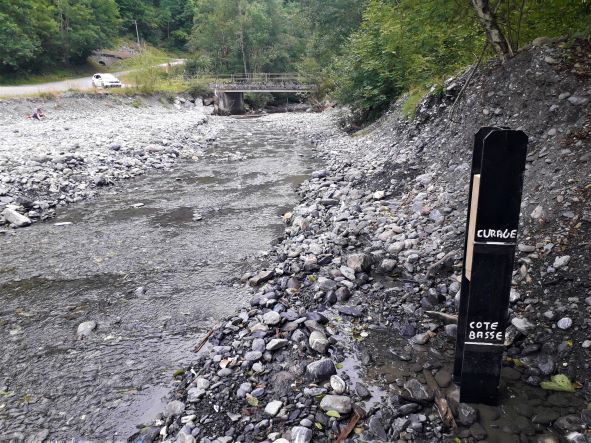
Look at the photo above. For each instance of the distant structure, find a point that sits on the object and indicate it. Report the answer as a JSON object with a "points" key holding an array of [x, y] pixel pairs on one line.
{"points": [[105, 57], [229, 89]]}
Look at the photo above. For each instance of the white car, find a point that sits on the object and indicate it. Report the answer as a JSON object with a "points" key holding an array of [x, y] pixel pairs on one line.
{"points": [[105, 81]]}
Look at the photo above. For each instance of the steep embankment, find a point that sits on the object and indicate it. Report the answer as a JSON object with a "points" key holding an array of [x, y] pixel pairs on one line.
{"points": [[375, 244]]}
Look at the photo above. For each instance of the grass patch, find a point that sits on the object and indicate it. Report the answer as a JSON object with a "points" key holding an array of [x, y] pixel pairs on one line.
{"points": [[409, 108], [149, 56]]}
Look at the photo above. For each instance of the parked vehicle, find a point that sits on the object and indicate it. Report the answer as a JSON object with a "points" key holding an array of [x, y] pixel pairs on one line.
{"points": [[105, 81]]}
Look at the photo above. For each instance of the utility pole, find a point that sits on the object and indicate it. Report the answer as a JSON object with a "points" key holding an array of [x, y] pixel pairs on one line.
{"points": [[137, 33]]}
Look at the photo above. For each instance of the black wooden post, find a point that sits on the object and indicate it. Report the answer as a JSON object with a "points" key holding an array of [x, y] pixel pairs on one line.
{"points": [[491, 234]]}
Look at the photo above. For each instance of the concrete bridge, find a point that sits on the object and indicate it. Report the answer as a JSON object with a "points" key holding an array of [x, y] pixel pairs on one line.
{"points": [[229, 89]]}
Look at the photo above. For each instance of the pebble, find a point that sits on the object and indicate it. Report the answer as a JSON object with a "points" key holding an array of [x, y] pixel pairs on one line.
{"points": [[276, 343], [318, 342], [321, 369], [339, 403], [18, 220], [417, 391], [271, 318], [523, 325], [578, 100], [273, 407], [174, 408], [86, 328], [560, 262], [300, 434], [564, 323], [337, 384]]}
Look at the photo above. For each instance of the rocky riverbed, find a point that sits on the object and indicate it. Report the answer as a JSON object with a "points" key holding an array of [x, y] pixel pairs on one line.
{"points": [[104, 300], [350, 330], [86, 143]]}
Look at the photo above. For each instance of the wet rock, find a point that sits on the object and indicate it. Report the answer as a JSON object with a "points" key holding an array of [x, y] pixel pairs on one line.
{"points": [[443, 378], [467, 415], [321, 369], [377, 428], [569, 423], [545, 416], [85, 328], [343, 294], [417, 391], [546, 364], [339, 403], [362, 390], [576, 437], [478, 431], [18, 220]]}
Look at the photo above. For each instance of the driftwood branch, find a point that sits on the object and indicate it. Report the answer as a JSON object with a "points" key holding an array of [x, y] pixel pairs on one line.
{"points": [[440, 402]]}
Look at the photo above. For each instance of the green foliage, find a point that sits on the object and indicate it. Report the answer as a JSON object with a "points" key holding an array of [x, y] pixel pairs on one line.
{"points": [[409, 108], [85, 25], [407, 44], [401, 45], [37, 33], [26, 32], [258, 100], [165, 22], [197, 88], [247, 36], [364, 53]]}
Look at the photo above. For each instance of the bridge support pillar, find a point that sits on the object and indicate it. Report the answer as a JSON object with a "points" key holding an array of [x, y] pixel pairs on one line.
{"points": [[230, 102]]}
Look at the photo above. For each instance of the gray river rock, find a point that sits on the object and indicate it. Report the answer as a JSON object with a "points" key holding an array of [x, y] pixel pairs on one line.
{"points": [[137, 234]]}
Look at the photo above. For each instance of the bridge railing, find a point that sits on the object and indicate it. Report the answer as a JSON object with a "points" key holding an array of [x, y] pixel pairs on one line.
{"points": [[259, 81], [258, 77]]}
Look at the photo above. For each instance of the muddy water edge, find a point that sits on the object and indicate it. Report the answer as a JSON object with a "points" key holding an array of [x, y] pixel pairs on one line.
{"points": [[154, 262]]}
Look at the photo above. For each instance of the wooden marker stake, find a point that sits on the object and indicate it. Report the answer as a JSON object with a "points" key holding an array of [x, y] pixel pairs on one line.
{"points": [[491, 235]]}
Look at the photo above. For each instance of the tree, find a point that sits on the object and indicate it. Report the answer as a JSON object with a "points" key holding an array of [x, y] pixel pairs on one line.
{"points": [[495, 36], [245, 36], [26, 34], [85, 25]]}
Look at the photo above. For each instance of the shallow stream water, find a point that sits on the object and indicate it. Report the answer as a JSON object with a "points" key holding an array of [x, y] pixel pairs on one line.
{"points": [[184, 235]]}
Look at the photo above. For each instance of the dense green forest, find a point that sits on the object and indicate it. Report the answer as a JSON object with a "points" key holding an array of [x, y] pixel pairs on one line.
{"points": [[362, 52]]}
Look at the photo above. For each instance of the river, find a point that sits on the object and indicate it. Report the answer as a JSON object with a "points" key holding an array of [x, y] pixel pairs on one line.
{"points": [[185, 235]]}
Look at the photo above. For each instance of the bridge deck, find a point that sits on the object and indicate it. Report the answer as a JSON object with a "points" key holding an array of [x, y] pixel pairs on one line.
{"points": [[261, 82]]}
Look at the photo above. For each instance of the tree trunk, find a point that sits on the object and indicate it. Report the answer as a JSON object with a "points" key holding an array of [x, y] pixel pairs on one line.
{"points": [[493, 32], [242, 37]]}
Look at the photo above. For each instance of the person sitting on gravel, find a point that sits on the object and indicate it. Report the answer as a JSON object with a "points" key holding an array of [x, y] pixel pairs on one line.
{"points": [[37, 114]]}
